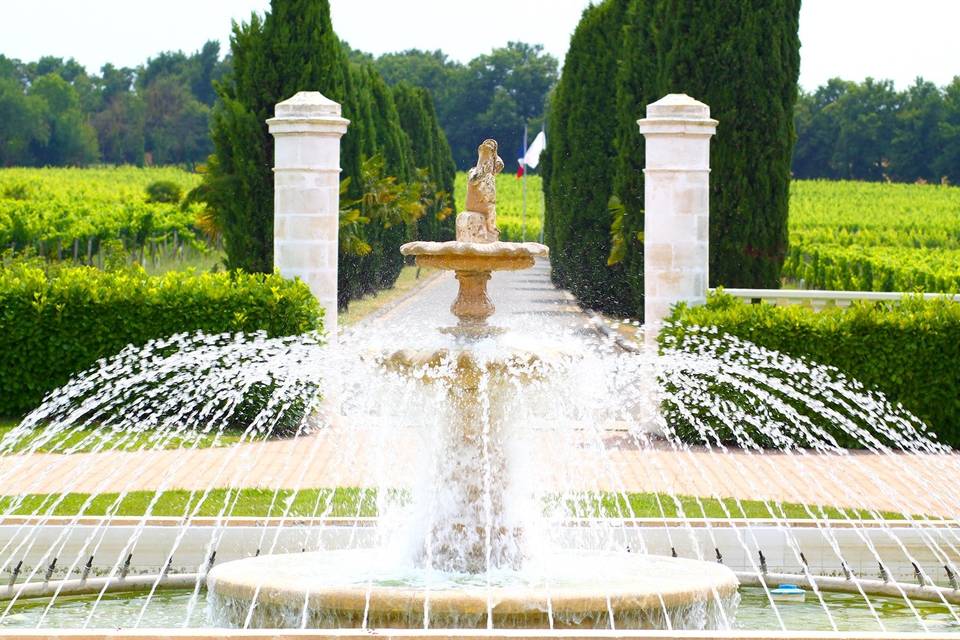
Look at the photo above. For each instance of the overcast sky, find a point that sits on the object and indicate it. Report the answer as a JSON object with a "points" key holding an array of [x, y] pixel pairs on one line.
{"points": [[852, 39]]}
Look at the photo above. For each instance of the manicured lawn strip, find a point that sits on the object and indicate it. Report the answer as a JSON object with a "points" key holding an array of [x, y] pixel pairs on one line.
{"points": [[349, 502], [250, 503], [108, 441], [644, 505]]}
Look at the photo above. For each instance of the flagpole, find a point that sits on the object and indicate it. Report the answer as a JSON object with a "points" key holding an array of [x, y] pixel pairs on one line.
{"points": [[543, 211], [523, 226]]}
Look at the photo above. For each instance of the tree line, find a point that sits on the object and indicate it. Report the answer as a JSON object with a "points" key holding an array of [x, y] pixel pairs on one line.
{"points": [[492, 96], [870, 131], [54, 113]]}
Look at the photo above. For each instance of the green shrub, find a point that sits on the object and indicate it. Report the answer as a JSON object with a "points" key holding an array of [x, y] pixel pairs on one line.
{"points": [[164, 191], [57, 321], [908, 350]]}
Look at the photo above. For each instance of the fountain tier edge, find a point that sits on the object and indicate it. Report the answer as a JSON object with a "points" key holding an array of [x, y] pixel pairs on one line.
{"points": [[347, 589]]}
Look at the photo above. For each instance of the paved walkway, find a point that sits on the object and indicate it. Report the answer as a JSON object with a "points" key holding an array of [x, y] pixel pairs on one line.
{"points": [[386, 456]]}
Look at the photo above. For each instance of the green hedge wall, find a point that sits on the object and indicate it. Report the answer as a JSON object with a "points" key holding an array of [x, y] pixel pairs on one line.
{"points": [[908, 350], [57, 321]]}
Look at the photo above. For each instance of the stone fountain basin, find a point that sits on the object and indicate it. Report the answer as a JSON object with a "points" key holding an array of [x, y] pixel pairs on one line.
{"points": [[476, 256], [579, 589]]}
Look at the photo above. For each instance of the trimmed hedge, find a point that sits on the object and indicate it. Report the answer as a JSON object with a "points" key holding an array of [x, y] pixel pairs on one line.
{"points": [[909, 350], [57, 321]]}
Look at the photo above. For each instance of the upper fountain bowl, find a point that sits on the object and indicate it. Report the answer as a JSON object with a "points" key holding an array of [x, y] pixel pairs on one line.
{"points": [[475, 256]]}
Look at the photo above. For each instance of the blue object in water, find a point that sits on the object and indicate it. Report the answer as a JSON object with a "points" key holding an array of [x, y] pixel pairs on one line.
{"points": [[788, 592]]}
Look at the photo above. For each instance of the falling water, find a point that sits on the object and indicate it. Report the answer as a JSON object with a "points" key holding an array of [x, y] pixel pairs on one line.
{"points": [[568, 433]]}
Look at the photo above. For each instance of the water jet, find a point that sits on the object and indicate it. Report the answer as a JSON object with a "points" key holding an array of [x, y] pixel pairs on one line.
{"points": [[474, 568]]}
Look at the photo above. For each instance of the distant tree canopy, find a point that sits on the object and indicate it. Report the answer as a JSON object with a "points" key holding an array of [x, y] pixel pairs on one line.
{"points": [[52, 112], [870, 131], [740, 58], [492, 96]]}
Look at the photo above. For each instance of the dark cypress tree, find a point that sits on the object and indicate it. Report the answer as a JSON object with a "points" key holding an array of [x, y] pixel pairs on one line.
{"points": [[636, 87], [382, 136], [742, 58], [292, 49], [431, 152], [580, 165]]}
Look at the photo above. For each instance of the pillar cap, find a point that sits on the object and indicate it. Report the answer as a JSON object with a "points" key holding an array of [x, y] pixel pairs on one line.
{"points": [[678, 113], [308, 112], [306, 104]]}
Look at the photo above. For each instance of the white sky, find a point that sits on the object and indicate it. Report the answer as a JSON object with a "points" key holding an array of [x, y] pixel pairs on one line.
{"points": [[852, 39]]}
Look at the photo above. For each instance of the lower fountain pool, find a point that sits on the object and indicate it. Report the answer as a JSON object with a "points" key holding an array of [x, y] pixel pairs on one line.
{"points": [[170, 609]]}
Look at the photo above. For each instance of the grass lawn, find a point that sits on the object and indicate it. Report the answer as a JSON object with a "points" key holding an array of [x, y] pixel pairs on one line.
{"points": [[410, 278], [246, 502], [349, 502], [645, 505], [80, 440]]}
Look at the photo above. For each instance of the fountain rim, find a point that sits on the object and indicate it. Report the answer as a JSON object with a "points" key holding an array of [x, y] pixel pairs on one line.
{"points": [[498, 249], [704, 581]]}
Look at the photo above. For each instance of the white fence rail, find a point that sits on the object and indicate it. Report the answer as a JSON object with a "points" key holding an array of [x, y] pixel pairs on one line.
{"points": [[821, 299]]}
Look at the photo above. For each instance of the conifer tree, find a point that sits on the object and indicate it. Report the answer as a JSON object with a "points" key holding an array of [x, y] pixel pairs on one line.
{"points": [[635, 88], [580, 164], [742, 59], [294, 48], [431, 152]]}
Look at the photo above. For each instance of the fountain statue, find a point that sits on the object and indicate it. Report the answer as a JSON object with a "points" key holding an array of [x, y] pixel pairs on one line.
{"points": [[472, 564], [477, 251]]}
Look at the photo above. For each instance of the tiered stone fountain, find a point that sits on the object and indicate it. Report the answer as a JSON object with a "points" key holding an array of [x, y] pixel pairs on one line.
{"points": [[472, 569]]}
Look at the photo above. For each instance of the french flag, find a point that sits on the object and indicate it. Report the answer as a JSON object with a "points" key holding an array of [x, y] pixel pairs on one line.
{"points": [[530, 156]]}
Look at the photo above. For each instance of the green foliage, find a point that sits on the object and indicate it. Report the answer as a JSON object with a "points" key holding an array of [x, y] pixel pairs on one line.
{"points": [[870, 131], [578, 174], [76, 209], [120, 129], [431, 153], [907, 350], [373, 226], [492, 96], [71, 140], [874, 236], [294, 48], [53, 113], [342, 501], [164, 191], [855, 268], [57, 321], [634, 89], [351, 502], [742, 59], [175, 123]]}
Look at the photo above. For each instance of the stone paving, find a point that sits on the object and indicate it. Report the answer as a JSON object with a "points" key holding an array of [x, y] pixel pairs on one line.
{"points": [[363, 455]]}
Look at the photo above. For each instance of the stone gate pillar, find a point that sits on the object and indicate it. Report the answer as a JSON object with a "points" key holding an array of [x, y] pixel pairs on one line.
{"points": [[677, 205], [306, 220]]}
